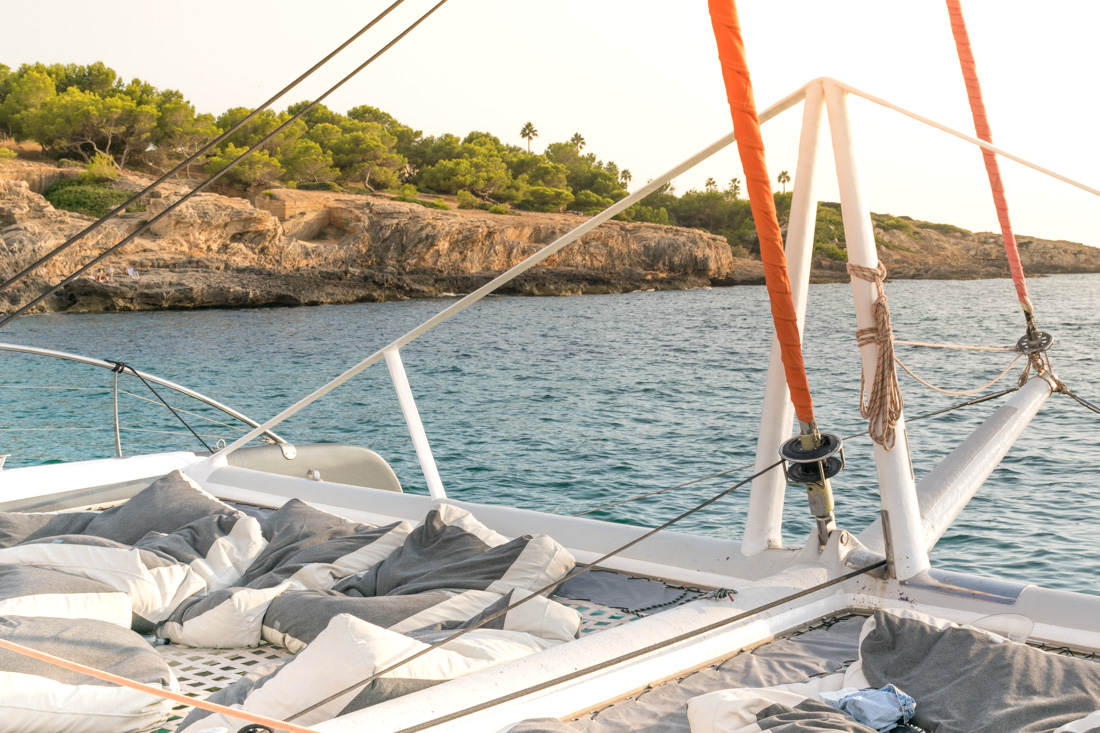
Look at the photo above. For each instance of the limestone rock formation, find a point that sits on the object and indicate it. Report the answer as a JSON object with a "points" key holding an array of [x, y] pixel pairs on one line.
{"points": [[290, 247]]}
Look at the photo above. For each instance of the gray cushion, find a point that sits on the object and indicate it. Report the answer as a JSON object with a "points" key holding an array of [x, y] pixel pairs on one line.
{"points": [[30, 591], [296, 526], [296, 618], [16, 527], [170, 502], [219, 548], [155, 582], [37, 696], [453, 551], [965, 681]]}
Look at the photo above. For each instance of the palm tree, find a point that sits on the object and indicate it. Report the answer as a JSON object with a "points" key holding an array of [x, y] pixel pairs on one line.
{"points": [[735, 187], [625, 176], [577, 140], [711, 185], [784, 178], [529, 133]]}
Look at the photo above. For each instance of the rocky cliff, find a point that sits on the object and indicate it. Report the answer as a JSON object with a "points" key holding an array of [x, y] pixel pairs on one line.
{"points": [[290, 247]]}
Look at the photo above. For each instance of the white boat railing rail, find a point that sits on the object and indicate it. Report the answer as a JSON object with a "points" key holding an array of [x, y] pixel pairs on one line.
{"points": [[267, 435]]}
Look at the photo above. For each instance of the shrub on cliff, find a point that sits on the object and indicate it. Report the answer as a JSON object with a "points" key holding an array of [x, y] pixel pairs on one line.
{"points": [[103, 166], [467, 200], [85, 195], [6, 153], [498, 209]]}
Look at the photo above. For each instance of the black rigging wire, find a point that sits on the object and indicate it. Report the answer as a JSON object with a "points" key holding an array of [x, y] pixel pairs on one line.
{"points": [[539, 592], [1082, 401], [122, 368], [91, 263], [975, 401], [643, 651], [190, 160]]}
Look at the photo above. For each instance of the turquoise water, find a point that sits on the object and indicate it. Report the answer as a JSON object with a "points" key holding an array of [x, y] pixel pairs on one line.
{"points": [[562, 404]]}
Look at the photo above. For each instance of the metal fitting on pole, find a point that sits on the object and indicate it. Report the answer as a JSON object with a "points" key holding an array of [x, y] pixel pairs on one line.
{"points": [[812, 459]]}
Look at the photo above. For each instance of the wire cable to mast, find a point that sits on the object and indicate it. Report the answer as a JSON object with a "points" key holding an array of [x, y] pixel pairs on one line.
{"points": [[577, 571], [193, 157], [968, 403], [202, 186], [122, 368]]}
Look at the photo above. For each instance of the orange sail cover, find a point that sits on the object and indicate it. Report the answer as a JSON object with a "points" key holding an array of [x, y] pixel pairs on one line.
{"points": [[992, 169], [750, 146]]}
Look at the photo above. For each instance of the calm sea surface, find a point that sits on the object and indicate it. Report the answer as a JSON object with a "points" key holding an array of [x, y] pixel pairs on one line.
{"points": [[562, 404]]}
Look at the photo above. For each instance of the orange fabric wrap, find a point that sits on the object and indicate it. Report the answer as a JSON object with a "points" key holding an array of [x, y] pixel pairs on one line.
{"points": [[750, 146], [99, 674], [981, 127]]}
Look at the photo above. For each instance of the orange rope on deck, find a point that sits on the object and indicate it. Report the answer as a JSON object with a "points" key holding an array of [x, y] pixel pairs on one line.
{"points": [[750, 146], [981, 127], [157, 691]]}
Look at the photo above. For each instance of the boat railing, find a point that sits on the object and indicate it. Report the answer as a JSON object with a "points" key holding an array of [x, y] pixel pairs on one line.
{"points": [[266, 435], [897, 482]]}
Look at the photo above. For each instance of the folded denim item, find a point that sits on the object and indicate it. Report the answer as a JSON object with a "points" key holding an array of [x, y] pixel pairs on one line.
{"points": [[883, 709]]}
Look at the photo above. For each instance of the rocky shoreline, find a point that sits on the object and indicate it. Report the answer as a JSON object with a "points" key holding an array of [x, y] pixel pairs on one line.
{"points": [[289, 248]]}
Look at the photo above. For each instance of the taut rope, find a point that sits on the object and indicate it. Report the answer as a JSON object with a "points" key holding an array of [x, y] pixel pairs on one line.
{"points": [[883, 407]]}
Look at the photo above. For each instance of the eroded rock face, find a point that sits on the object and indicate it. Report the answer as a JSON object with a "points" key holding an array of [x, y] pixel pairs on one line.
{"points": [[217, 251], [291, 247]]}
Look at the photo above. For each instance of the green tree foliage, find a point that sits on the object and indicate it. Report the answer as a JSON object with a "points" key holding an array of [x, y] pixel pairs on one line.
{"points": [[364, 152], [528, 133], [405, 136], [783, 179], [734, 189], [578, 141], [257, 169], [28, 91], [711, 185], [542, 198], [306, 161], [81, 123]]}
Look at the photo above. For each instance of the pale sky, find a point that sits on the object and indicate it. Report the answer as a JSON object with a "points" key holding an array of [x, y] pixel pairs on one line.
{"points": [[640, 80]]}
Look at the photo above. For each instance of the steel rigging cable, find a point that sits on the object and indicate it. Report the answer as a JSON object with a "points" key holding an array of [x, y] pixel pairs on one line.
{"points": [[202, 186], [192, 158]]}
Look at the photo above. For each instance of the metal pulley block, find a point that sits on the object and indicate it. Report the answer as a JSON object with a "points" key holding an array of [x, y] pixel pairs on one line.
{"points": [[1037, 345], [813, 465]]}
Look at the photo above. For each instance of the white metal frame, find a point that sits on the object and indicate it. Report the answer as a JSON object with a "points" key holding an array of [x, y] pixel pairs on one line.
{"points": [[902, 507]]}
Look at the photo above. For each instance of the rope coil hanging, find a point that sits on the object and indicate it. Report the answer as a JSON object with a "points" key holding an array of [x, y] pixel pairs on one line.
{"points": [[883, 407]]}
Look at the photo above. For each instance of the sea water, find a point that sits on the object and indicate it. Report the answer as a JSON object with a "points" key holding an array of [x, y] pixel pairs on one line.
{"points": [[564, 404]]}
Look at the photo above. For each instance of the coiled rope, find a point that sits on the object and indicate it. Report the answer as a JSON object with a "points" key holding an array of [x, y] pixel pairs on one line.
{"points": [[883, 407]]}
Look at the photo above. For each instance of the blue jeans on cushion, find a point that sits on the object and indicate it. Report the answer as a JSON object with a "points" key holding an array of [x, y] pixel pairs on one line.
{"points": [[881, 709]]}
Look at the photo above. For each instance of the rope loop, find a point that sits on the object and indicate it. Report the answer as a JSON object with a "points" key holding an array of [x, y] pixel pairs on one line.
{"points": [[883, 408]]}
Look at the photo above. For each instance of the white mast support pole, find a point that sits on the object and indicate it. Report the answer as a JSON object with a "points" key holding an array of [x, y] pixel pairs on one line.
{"points": [[895, 471], [764, 522], [453, 310], [416, 428]]}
